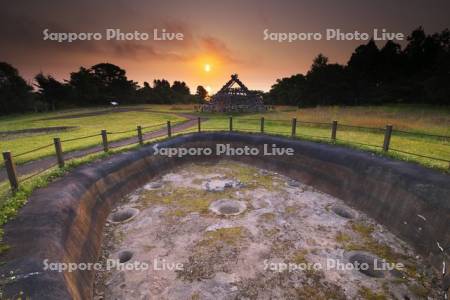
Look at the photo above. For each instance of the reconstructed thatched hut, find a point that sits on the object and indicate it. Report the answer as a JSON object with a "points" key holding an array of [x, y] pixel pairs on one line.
{"points": [[234, 96]]}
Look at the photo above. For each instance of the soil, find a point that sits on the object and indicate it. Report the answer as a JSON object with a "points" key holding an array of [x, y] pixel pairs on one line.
{"points": [[282, 245]]}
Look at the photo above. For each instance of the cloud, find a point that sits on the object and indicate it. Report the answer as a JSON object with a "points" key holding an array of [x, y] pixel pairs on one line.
{"points": [[141, 51], [27, 34], [219, 48]]}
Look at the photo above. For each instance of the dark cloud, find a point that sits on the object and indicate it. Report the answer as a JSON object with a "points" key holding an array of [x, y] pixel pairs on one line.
{"points": [[26, 32], [227, 30]]}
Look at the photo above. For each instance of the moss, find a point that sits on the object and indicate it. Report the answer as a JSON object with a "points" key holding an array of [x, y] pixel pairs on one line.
{"points": [[248, 175], [270, 232], [419, 290], [185, 200], [213, 253], [399, 281], [291, 209], [282, 248], [4, 247], [182, 200], [197, 181], [178, 213], [148, 248], [342, 238], [366, 242], [314, 292], [299, 257], [230, 236], [373, 246], [119, 236], [364, 230], [289, 285], [268, 217], [368, 294]]}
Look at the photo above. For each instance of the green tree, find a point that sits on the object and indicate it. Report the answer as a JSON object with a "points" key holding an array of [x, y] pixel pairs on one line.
{"points": [[201, 93], [51, 91], [86, 88], [102, 83], [145, 93], [181, 92], [163, 94], [287, 91], [15, 93]]}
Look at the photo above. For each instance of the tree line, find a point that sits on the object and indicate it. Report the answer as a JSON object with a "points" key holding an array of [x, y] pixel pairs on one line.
{"points": [[100, 84], [418, 73]]}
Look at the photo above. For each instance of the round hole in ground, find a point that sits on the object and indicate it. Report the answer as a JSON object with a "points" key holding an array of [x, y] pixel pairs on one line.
{"points": [[342, 211], [125, 256], [124, 215], [365, 263], [228, 207], [276, 219]]}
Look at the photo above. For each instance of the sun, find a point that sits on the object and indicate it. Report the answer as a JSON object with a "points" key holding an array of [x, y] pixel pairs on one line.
{"points": [[208, 89], [207, 67]]}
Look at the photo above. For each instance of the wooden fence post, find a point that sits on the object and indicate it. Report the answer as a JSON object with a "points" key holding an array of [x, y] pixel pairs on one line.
{"points": [[262, 124], [199, 122], [169, 129], [231, 123], [59, 152], [387, 137], [294, 126], [333, 130], [105, 140], [11, 170], [139, 134]]}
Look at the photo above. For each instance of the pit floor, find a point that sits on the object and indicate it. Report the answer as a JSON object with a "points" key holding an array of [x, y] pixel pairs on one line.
{"points": [[181, 246]]}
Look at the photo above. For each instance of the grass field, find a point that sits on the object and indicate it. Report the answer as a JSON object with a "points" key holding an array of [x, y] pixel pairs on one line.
{"points": [[86, 122], [420, 120]]}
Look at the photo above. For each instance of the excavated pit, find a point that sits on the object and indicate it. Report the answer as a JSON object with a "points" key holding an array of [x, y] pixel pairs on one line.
{"points": [[371, 262], [226, 207], [227, 230], [125, 256], [343, 212], [227, 257], [123, 215]]}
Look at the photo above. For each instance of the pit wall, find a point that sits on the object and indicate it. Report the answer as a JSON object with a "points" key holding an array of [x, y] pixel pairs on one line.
{"points": [[64, 221]]}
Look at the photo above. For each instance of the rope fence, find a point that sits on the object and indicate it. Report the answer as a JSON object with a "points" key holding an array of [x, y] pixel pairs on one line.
{"points": [[292, 128], [420, 155], [121, 132], [79, 138], [33, 150], [361, 127], [444, 137], [37, 173], [358, 143]]}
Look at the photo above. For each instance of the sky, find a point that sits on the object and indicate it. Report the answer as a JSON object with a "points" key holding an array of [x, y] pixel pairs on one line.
{"points": [[220, 38]]}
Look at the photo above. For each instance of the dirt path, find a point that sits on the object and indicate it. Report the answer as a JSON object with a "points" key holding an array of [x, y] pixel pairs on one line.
{"points": [[47, 162]]}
